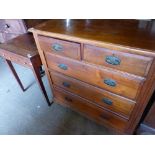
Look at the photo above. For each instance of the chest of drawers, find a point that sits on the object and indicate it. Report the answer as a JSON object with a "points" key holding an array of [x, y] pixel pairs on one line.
{"points": [[103, 69]]}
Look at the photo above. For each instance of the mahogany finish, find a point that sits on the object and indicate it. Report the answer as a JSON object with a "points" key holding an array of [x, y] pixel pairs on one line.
{"points": [[98, 55], [119, 104], [14, 73], [89, 109], [63, 48], [126, 85], [129, 33], [113, 61], [22, 50], [23, 45]]}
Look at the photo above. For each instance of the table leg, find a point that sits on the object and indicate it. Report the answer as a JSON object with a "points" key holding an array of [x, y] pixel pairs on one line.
{"points": [[9, 63], [36, 72]]}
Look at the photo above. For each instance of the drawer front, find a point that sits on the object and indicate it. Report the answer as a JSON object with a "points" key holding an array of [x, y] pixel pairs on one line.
{"points": [[60, 47], [102, 98], [15, 58], [116, 82], [88, 109], [131, 63]]}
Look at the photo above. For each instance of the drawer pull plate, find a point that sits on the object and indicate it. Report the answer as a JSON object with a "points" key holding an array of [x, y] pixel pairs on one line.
{"points": [[63, 66], [110, 82], [57, 47], [113, 60], [66, 84], [107, 101]]}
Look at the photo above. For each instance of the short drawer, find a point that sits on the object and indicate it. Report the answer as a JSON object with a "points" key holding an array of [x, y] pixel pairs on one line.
{"points": [[101, 97], [131, 63], [126, 85], [89, 110], [60, 47]]}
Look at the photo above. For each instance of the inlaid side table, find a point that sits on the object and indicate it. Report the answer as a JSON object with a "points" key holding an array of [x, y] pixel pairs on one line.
{"points": [[22, 50]]}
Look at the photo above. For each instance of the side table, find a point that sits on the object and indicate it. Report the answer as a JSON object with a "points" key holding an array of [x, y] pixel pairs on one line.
{"points": [[22, 50]]}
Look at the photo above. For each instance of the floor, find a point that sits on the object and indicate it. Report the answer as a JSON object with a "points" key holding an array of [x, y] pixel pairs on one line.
{"points": [[26, 113]]}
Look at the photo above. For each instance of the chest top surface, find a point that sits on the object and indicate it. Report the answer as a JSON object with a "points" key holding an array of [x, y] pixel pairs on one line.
{"points": [[138, 34], [118, 56]]}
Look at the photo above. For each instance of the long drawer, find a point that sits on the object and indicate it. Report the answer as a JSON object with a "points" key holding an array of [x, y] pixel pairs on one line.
{"points": [[101, 97], [88, 109], [116, 82], [131, 63]]}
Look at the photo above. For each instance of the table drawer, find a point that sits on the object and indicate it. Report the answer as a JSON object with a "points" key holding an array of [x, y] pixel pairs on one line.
{"points": [[101, 97], [60, 47], [15, 58], [117, 82], [89, 109], [131, 63]]}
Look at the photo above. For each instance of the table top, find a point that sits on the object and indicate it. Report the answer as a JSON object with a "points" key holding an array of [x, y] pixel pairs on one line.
{"points": [[138, 34], [23, 45]]}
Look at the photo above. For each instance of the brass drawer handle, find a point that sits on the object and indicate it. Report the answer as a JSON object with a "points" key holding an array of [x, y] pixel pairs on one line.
{"points": [[63, 66], [57, 47], [110, 82], [107, 101], [68, 99], [66, 84], [113, 60]]}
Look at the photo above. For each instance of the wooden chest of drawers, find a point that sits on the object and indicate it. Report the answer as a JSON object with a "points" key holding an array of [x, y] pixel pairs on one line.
{"points": [[106, 73]]}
